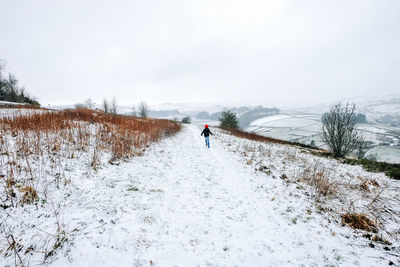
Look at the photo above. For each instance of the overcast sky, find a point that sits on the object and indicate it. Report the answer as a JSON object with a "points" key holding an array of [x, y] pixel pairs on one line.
{"points": [[244, 52]]}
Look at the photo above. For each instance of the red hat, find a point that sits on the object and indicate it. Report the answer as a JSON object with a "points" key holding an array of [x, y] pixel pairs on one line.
{"points": [[206, 126]]}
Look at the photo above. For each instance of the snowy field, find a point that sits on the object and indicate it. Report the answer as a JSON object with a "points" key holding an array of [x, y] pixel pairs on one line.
{"points": [[12, 112], [386, 154], [304, 128], [182, 204], [297, 128]]}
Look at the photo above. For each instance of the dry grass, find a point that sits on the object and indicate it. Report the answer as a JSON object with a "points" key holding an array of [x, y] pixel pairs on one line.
{"points": [[30, 194], [255, 137], [19, 106], [335, 188], [36, 147], [359, 221], [265, 139], [122, 134], [36, 141], [319, 178]]}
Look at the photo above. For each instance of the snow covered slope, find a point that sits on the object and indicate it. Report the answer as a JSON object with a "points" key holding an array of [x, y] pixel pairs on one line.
{"points": [[182, 204]]}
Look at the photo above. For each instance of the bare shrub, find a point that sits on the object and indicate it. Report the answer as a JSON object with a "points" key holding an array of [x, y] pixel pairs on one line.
{"points": [[114, 106], [143, 110], [338, 130], [319, 178], [89, 104]]}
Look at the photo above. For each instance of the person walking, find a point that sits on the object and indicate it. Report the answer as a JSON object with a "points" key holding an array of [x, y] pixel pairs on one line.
{"points": [[207, 133]]}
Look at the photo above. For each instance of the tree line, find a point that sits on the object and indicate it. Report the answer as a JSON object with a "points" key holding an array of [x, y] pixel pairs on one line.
{"points": [[11, 91]]}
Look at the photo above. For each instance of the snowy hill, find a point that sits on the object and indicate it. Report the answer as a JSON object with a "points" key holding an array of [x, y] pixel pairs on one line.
{"points": [[382, 109], [378, 105], [240, 202], [386, 104], [190, 108], [381, 131]]}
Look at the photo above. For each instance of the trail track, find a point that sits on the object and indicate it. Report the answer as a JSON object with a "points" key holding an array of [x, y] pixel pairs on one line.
{"points": [[182, 204]]}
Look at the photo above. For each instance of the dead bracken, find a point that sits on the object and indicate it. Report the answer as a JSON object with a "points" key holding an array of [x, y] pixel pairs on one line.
{"points": [[359, 221]]}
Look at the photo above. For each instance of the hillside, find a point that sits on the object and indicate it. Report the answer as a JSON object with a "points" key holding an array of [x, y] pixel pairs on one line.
{"points": [[382, 141], [241, 202]]}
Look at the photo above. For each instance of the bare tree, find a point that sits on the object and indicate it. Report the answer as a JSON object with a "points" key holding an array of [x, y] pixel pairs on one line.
{"points": [[114, 106], [338, 129], [89, 103], [106, 106], [143, 109]]}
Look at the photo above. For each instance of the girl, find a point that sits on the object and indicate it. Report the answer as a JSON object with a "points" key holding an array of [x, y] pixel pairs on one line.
{"points": [[207, 133]]}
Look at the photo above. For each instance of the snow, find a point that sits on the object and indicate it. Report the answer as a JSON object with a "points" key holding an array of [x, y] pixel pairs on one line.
{"points": [[291, 127], [182, 204], [383, 104], [12, 112], [386, 154], [11, 103], [269, 119]]}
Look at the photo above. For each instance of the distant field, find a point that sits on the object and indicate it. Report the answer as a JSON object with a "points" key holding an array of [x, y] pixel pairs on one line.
{"points": [[386, 154], [306, 127], [300, 128]]}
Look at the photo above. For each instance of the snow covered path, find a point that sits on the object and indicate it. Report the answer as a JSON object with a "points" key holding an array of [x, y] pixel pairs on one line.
{"points": [[182, 204]]}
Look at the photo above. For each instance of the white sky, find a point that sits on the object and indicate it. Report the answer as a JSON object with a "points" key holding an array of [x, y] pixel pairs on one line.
{"points": [[244, 52]]}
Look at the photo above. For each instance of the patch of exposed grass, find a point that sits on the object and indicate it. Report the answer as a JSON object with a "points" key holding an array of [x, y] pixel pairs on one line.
{"points": [[359, 221], [133, 189]]}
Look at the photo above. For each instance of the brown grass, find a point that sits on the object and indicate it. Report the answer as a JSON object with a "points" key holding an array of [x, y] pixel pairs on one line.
{"points": [[359, 221], [30, 194], [31, 143], [319, 178], [260, 138], [255, 137], [120, 133], [19, 106]]}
